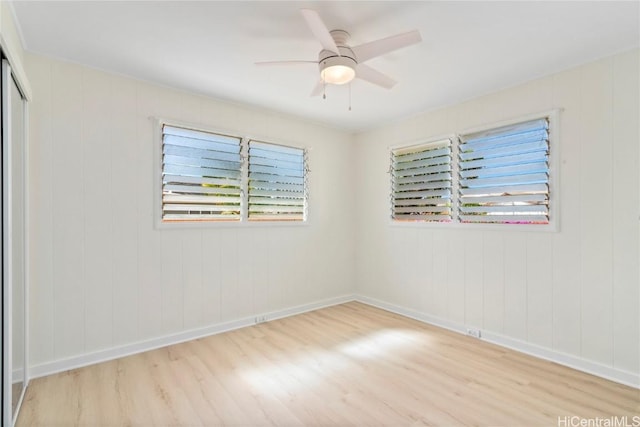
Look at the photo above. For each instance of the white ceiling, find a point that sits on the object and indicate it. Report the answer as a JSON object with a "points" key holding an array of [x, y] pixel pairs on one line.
{"points": [[209, 47]]}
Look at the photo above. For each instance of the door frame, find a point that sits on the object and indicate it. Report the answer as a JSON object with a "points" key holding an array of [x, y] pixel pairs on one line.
{"points": [[8, 172]]}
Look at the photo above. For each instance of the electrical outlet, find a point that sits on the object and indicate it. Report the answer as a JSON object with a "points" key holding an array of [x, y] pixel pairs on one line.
{"points": [[260, 319], [474, 333]]}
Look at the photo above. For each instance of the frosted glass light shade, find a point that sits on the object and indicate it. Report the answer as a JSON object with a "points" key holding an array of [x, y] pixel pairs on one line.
{"points": [[338, 74]]}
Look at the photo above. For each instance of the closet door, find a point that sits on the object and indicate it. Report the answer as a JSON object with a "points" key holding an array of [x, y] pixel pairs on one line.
{"points": [[14, 340]]}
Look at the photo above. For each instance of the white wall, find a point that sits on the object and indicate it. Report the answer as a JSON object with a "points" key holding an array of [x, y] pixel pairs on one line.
{"points": [[574, 292], [11, 45], [10, 32], [102, 275]]}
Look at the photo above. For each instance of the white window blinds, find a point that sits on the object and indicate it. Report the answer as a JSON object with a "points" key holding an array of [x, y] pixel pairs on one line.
{"points": [[504, 174], [277, 182], [201, 175], [421, 182]]}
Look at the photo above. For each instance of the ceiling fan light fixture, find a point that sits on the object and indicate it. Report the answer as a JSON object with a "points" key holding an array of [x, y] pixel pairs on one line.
{"points": [[337, 70]]}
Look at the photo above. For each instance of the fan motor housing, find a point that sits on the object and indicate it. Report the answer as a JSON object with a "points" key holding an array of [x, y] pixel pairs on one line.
{"points": [[334, 59], [345, 52]]}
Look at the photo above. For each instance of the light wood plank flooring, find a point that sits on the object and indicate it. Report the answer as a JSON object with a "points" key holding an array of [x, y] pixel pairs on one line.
{"points": [[345, 365]]}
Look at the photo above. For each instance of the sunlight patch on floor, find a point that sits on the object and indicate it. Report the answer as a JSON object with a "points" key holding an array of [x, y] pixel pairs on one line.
{"points": [[299, 373], [287, 376], [382, 343]]}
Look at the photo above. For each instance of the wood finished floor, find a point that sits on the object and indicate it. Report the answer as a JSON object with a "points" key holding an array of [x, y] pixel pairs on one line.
{"points": [[345, 365]]}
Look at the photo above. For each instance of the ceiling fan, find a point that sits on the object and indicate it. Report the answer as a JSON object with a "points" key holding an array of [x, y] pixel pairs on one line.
{"points": [[340, 63]]}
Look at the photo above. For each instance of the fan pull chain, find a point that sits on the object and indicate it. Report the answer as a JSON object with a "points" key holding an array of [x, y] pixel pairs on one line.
{"points": [[349, 96], [324, 89]]}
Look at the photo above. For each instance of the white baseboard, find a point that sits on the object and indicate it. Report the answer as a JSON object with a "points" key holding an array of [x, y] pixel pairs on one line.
{"points": [[74, 362], [590, 367]]}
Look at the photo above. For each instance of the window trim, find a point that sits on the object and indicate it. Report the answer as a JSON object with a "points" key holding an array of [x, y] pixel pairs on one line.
{"points": [[554, 178], [159, 122]]}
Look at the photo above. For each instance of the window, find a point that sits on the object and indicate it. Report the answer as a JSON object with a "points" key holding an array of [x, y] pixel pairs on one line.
{"points": [[504, 174], [499, 175], [276, 182], [421, 182], [201, 175], [206, 177]]}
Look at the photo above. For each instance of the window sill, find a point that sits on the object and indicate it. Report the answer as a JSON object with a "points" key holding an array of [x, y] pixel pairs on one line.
{"points": [[552, 227], [195, 225]]}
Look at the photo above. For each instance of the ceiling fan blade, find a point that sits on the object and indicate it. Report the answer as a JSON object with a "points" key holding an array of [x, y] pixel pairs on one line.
{"points": [[367, 73], [318, 89], [319, 30], [269, 63], [366, 51]]}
